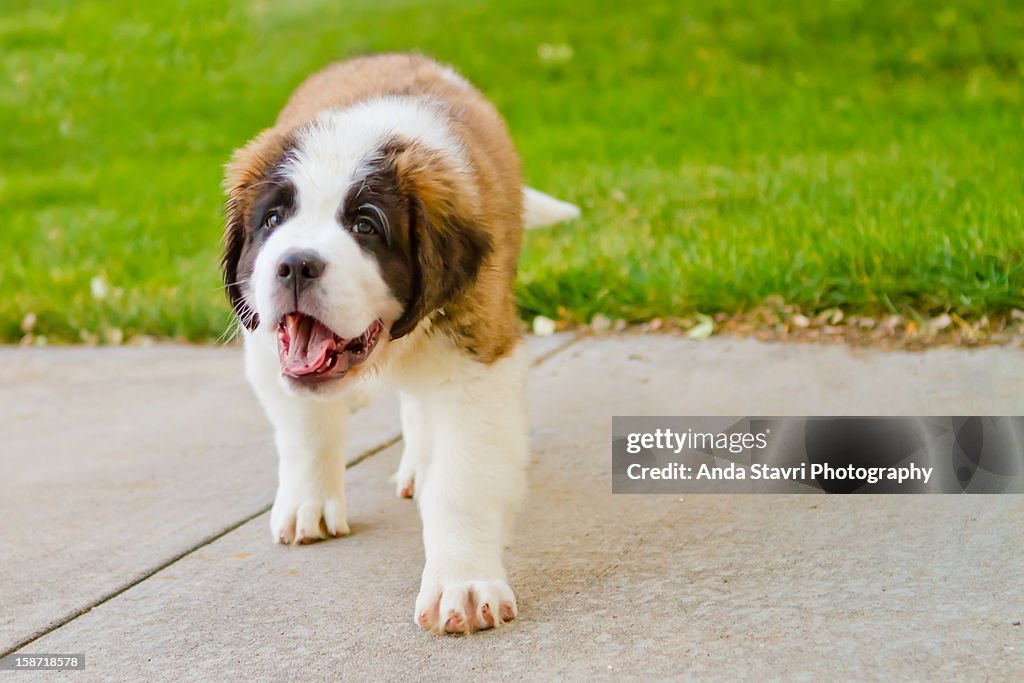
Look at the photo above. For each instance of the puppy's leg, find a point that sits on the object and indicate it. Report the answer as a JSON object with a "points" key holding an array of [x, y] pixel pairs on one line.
{"points": [[310, 439], [310, 500], [472, 488], [416, 438]]}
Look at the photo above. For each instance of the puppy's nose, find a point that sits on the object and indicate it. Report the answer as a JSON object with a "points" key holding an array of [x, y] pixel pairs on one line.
{"points": [[298, 269]]}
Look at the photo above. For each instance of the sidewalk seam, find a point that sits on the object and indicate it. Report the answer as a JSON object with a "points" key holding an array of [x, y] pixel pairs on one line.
{"points": [[130, 584], [369, 453]]}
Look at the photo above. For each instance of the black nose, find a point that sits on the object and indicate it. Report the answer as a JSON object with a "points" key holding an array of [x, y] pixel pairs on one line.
{"points": [[298, 269]]}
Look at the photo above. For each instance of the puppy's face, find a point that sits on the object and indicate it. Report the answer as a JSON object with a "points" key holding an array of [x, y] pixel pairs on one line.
{"points": [[343, 236]]}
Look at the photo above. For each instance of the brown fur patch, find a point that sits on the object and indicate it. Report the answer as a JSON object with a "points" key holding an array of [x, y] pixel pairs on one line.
{"points": [[446, 245], [248, 170]]}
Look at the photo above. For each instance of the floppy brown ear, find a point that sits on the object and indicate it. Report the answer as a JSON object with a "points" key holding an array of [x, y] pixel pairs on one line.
{"points": [[446, 243], [248, 167]]}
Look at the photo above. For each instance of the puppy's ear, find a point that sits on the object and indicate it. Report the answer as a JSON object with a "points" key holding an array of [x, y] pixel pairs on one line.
{"points": [[446, 243], [249, 166]]}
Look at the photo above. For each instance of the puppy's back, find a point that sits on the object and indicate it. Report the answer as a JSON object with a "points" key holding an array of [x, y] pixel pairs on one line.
{"points": [[343, 84]]}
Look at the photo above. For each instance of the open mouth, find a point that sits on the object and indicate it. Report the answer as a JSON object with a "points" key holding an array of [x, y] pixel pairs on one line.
{"points": [[310, 352]]}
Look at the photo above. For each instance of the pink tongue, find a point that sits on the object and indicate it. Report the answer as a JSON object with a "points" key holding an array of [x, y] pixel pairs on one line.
{"points": [[310, 342]]}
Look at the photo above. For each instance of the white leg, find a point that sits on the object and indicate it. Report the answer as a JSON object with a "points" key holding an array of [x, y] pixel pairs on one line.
{"points": [[310, 439], [473, 487], [416, 442]]}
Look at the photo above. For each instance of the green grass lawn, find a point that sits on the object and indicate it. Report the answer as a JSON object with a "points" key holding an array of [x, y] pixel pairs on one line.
{"points": [[862, 154]]}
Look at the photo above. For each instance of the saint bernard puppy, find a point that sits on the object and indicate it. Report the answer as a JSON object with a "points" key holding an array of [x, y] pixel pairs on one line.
{"points": [[374, 229]]}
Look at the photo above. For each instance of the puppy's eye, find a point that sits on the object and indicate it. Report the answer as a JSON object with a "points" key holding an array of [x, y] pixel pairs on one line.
{"points": [[363, 226], [369, 221], [272, 220]]}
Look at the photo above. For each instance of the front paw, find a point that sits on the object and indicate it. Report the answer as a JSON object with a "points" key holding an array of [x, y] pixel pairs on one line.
{"points": [[464, 606], [306, 521]]}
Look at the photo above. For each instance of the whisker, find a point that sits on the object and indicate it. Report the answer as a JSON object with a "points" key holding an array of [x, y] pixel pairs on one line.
{"points": [[265, 181], [238, 283], [229, 334]]}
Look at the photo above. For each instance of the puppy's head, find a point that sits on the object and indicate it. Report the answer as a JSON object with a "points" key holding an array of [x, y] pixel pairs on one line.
{"points": [[346, 233]]}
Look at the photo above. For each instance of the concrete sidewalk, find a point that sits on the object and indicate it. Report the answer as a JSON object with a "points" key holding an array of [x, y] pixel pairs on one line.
{"points": [[136, 484]]}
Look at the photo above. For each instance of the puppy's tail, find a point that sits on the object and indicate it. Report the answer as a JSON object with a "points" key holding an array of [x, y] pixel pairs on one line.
{"points": [[540, 210]]}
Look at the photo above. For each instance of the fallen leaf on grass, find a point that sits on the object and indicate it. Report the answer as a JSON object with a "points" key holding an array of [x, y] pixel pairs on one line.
{"points": [[704, 328], [543, 327], [940, 322], [98, 286], [600, 323]]}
